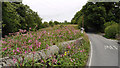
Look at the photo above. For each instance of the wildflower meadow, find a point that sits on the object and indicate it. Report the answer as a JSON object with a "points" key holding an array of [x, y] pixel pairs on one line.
{"points": [[24, 42]]}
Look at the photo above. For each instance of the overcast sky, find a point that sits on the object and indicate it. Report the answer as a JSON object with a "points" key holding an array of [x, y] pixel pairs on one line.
{"points": [[58, 10]]}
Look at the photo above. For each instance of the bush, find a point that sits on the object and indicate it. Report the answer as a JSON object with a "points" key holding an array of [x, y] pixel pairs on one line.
{"points": [[109, 23], [45, 24], [51, 23], [111, 31], [56, 22]]}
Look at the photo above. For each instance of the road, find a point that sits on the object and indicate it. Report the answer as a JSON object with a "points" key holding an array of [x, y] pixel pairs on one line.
{"points": [[104, 52]]}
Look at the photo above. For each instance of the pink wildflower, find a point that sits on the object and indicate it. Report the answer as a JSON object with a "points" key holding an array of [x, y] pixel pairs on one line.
{"points": [[18, 51], [30, 28], [55, 61], [74, 62], [4, 42], [17, 33], [36, 41], [42, 61], [80, 50], [49, 56], [15, 53], [13, 50], [71, 60], [6, 36], [68, 46], [29, 41], [17, 48], [39, 44], [25, 52], [83, 50], [47, 46], [14, 60], [34, 52], [24, 31], [36, 25], [30, 47], [4, 49]]}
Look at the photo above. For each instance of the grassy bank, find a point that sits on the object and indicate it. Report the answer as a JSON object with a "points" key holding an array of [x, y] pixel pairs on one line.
{"points": [[73, 55], [37, 40]]}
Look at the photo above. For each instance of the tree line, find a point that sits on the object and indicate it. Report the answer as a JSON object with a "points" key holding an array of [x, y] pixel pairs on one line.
{"points": [[97, 15], [16, 15]]}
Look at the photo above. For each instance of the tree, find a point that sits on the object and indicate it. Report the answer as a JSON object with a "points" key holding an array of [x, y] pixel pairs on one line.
{"points": [[45, 24], [11, 20], [56, 22], [96, 14], [51, 23], [94, 17], [17, 16]]}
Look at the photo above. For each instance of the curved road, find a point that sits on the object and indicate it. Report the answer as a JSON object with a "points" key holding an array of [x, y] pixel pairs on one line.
{"points": [[104, 52]]}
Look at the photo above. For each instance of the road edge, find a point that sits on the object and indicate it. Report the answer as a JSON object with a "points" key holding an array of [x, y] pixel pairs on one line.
{"points": [[90, 55]]}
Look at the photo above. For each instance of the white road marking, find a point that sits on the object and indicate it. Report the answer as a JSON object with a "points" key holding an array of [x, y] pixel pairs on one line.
{"points": [[107, 47], [111, 47], [90, 54], [115, 47]]}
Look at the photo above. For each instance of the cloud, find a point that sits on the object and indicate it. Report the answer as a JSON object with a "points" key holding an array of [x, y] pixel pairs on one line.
{"points": [[59, 10]]}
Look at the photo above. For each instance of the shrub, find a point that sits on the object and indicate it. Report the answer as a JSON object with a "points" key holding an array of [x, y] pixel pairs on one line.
{"points": [[45, 24], [51, 23], [111, 31], [56, 22], [109, 23]]}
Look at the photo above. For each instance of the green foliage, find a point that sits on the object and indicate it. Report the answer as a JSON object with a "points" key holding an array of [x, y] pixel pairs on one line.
{"points": [[56, 22], [51, 23], [109, 23], [45, 24], [77, 18], [17, 16], [10, 18], [111, 31], [96, 14], [80, 23]]}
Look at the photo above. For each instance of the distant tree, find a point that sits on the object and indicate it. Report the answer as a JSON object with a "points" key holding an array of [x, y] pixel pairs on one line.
{"points": [[51, 23], [45, 24], [65, 22], [56, 22]]}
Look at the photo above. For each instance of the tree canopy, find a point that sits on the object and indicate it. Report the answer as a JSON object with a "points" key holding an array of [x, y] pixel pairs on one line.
{"points": [[17, 16], [96, 14]]}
